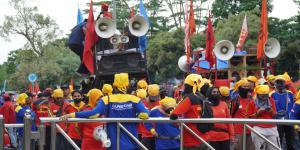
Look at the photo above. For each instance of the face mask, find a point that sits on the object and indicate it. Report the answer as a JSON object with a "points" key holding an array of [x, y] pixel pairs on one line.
{"points": [[279, 86], [214, 99], [168, 111], [58, 102], [243, 92], [77, 100]]}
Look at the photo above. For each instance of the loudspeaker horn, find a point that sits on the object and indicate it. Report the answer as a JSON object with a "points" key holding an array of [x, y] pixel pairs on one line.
{"points": [[105, 27], [138, 26], [124, 39], [115, 40], [272, 48], [224, 50], [182, 63]]}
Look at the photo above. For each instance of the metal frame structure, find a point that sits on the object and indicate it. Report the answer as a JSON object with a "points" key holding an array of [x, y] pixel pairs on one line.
{"points": [[40, 134]]}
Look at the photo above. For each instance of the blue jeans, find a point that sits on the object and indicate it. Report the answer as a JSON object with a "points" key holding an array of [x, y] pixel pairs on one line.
{"points": [[12, 132]]}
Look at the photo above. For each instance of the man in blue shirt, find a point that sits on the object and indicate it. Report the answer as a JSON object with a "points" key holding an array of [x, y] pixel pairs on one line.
{"points": [[76, 43], [24, 102], [167, 134], [284, 101], [118, 105]]}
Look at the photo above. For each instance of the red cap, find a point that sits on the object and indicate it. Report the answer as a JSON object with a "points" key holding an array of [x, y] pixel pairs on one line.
{"points": [[6, 97], [104, 7]]}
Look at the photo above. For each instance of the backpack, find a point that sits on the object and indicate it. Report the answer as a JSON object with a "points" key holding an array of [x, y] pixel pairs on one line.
{"points": [[206, 112]]}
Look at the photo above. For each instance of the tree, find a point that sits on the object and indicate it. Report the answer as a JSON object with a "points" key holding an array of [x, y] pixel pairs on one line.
{"points": [[287, 31], [36, 28], [222, 9], [163, 52], [56, 66]]}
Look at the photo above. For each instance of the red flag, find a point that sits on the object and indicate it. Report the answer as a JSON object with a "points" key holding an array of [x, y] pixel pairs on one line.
{"points": [[36, 88], [187, 34], [90, 40], [71, 85], [263, 33], [210, 40], [192, 23], [132, 12], [243, 35], [30, 88]]}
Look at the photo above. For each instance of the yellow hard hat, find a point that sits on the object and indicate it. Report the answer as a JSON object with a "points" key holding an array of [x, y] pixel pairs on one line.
{"points": [[153, 90], [94, 95], [252, 79], [121, 81], [262, 89], [192, 79], [21, 100], [280, 77], [58, 93], [270, 78], [168, 102], [142, 84], [141, 93], [242, 82], [287, 76], [107, 89], [224, 91]]}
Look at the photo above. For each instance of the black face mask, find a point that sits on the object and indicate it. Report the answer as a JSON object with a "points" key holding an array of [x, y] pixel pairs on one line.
{"points": [[280, 85], [168, 111], [59, 102], [204, 89], [243, 92], [77, 100], [214, 99], [151, 100], [187, 89]]}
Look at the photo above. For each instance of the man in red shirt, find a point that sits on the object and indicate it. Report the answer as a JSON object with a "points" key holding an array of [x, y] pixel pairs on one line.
{"points": [[238, 110], [263, 107], [87, 129], [72, 128], [8, 112], [57, 108], [221, 134], [190, 107]]}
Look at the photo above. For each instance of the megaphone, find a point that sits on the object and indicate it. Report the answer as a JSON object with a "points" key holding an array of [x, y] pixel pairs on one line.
{"points": [[105, 27], [124, 39], [224, 50], [138, 26], [272, 48], [115, 40], [100, 135], [182, 63]]}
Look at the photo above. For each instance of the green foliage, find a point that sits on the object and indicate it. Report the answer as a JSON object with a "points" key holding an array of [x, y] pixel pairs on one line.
{"points": [[287, 31], [56, 66], [36, 28], [163, 52], [229, 29], [222, 9]]}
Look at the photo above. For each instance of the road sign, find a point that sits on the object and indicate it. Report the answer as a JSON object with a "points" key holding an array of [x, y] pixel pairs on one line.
{"points": [[32, 77]]}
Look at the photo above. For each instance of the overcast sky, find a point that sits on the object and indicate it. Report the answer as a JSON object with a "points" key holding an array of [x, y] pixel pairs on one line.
{"points": [[64, 13]]}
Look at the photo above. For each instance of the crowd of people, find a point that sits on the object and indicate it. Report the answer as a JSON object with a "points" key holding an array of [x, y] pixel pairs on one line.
{"points": [[272, 98]]}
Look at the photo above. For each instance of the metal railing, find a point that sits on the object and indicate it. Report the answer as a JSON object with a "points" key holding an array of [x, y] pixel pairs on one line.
{"points": [[40, 134]]}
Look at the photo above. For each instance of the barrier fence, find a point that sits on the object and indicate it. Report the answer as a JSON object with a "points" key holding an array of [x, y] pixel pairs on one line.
{"points": [[40, 134]]}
